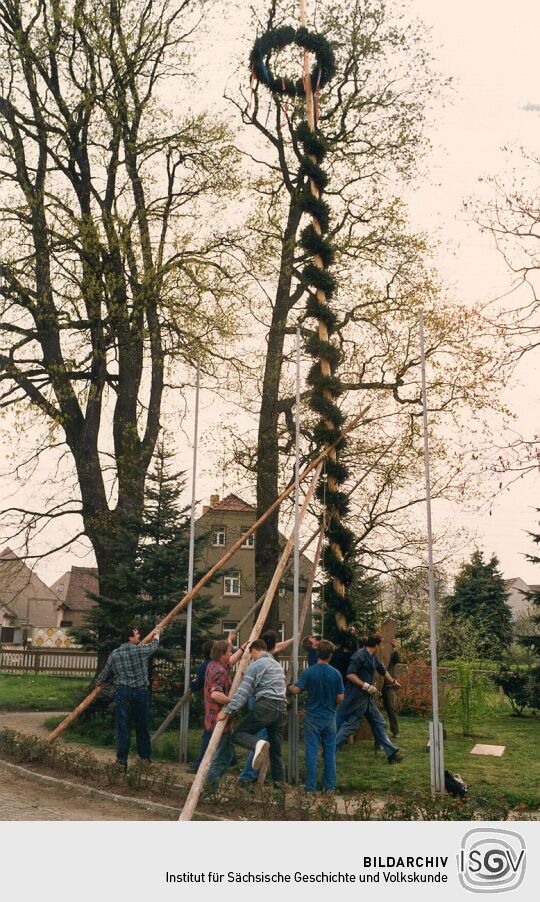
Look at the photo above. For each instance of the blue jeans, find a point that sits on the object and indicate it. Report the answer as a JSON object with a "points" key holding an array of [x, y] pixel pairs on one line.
{"points": [[323, 732], [248, 774], [131, 702], [221, 762], [376, 722], [272, 714], [205, 739]]}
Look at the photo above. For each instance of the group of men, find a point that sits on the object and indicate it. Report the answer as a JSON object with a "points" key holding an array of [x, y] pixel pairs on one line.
{"points": [[335, 706]]}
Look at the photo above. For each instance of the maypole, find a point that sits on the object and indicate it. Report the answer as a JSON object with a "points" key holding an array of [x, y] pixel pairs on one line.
{"points": [[325, 384]]}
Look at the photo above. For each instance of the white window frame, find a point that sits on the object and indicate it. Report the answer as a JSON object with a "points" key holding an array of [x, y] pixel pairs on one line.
{"points": [[228, 626], [219, 536], [231, 581], [281, 631], [250, 541]]}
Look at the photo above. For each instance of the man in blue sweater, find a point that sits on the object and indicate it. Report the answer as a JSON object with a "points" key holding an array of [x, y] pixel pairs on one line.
{"points": [[264, 679], [324, 686]]}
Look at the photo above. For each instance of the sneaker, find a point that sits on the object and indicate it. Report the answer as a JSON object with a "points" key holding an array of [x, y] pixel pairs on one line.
{"points": [[395, 758], [261, 754], [395, 735], [121, 764]]}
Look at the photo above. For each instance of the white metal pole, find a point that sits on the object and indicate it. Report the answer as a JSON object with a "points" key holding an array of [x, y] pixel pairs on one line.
{"points": [[184, 716], [294, 733], [436, 750]]}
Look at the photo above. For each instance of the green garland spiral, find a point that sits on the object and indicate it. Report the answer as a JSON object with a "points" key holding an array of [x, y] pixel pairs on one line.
{"points": [[325, 389]]}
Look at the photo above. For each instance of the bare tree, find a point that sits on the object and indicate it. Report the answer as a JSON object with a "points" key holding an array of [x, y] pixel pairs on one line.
{"points": [[110, 270]]}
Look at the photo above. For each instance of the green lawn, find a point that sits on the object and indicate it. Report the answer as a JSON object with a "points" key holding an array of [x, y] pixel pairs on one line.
{"points": [[38, 692], [514, 777]]}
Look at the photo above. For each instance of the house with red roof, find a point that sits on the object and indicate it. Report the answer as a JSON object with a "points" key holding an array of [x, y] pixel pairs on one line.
{"points": [[221, 524]]}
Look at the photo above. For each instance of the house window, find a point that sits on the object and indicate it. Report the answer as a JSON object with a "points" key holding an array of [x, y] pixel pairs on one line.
{"points": [[7, 634], [228, 626], [219, 536], [281, 631], [250, 541], [66, 623], [231, 583]]}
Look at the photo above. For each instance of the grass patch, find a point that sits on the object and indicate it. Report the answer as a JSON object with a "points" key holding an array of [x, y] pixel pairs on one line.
{"points": [[39, 692], [515, 777]]}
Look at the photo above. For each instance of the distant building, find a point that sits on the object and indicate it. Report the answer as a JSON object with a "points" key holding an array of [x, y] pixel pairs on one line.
{"points": [[26, 603], [516, 599], [73, 592], [223, 522]]}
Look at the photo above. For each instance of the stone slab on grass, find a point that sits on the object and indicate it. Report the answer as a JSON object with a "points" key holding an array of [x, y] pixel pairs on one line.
{"points": [[497, 751]]}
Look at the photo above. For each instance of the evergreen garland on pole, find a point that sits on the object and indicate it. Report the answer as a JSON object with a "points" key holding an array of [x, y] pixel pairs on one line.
{"points": [[323, 378]]}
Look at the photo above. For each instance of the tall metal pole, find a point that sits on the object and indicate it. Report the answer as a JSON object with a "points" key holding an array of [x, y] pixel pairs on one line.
{"points": [[294, 731], [184, 715], [436, 746]]}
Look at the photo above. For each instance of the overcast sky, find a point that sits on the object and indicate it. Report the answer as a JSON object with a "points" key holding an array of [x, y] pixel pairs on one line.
{"points": [[490, 48]]}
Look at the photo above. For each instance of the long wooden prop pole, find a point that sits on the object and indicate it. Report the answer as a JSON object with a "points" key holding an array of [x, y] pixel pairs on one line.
{"points": [[261, 597], [307, 598], [171, 715], [208, 576], [199, 781]]}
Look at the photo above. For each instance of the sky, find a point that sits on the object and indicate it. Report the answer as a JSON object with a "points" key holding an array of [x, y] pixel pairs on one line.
{"points": [[489, 47]]}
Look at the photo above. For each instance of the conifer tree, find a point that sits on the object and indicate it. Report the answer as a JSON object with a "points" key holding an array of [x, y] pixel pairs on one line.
{"points": [[147, 591], [480, 600]]}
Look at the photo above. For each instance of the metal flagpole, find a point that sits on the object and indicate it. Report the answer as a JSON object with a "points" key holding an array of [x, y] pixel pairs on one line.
{"points": [[184, 715], [294, 731], [436, 744]]}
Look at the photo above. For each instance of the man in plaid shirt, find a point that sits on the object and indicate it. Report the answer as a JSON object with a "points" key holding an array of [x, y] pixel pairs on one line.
{"points": [[128, 665], [217, 685]]}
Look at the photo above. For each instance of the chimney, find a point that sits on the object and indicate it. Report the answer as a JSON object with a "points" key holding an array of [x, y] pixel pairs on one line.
{"points": [[214, 499]]}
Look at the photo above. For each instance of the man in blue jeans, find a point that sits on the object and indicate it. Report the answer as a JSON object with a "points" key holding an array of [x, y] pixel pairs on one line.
{"points": [[360, 692], [324, 686], [264, 679], [248, 774], [129, 666]]}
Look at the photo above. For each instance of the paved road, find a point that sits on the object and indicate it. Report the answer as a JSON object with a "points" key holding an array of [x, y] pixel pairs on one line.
{"points": [[23, 799]]}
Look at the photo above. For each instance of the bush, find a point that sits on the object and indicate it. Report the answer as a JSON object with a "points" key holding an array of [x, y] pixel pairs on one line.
{"points": [[32, 750], [520, 687], [414, 697], [470, 700]]}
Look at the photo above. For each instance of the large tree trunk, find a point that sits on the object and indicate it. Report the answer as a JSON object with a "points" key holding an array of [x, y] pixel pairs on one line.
{"points": [[267, 544]]}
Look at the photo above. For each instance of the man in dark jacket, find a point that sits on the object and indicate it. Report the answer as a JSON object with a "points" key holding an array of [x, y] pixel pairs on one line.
{"points": [[388, 691], [360, 692]]}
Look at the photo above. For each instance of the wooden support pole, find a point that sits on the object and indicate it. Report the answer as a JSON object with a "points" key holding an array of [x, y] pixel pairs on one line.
{"points": [[261, 597], [303, 614], [314, 464], [171, 715], [200, 778]]}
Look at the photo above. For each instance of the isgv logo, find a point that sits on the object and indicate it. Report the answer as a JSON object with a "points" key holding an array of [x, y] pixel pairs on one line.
{"points": [[491, 861]]}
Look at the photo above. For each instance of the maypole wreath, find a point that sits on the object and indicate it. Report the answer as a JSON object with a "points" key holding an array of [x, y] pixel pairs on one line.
{"points": [[323, 378]]}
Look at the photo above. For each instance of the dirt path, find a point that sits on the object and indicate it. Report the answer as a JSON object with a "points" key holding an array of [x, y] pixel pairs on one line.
{"points": [[23, 799]]}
